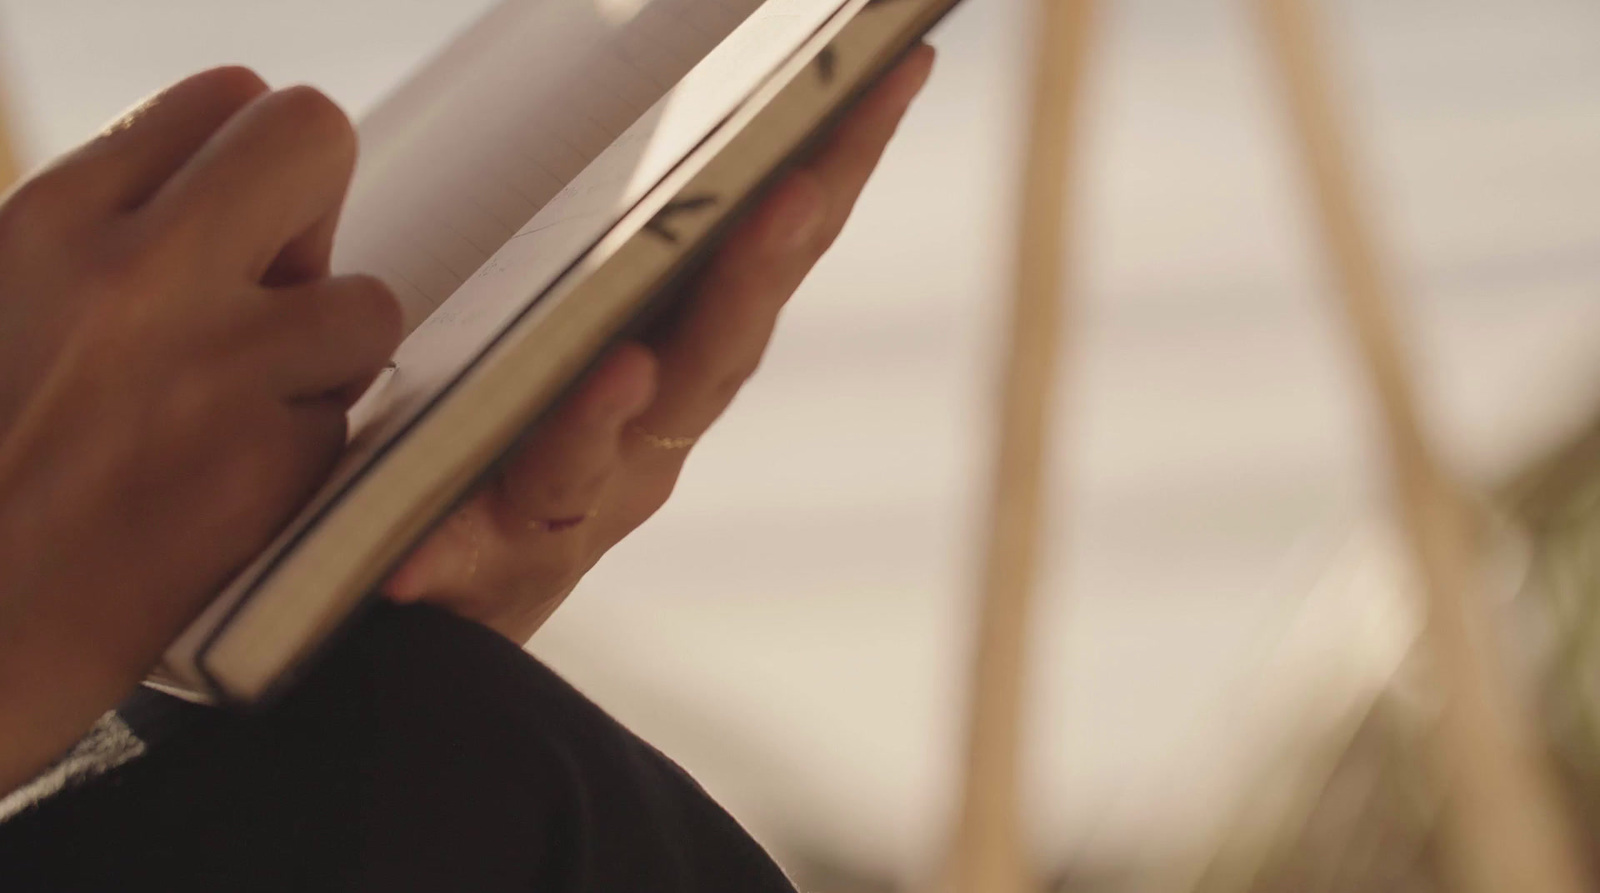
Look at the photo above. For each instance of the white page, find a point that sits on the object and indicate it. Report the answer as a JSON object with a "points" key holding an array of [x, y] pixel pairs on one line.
{"points": [[479, 140]]}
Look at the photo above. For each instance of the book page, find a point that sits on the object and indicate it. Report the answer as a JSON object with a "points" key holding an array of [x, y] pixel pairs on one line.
{"points": [[477, 142], [488, 297]]}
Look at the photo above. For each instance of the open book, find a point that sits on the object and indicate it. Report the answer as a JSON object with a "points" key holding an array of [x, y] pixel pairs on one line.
{"points": [[529, 195]]}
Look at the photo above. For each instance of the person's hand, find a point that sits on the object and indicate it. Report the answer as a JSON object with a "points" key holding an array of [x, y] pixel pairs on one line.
{"points": [[173, 384], [609, 456]]}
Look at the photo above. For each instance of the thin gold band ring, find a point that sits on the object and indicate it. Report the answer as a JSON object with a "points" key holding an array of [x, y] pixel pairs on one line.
{"points": [[662, 442]]}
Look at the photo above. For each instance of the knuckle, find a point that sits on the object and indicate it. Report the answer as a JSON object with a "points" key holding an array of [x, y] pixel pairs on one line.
{"points": [[324, 434], [229, 84], [279, 321], [379, 310], [314, 115]]}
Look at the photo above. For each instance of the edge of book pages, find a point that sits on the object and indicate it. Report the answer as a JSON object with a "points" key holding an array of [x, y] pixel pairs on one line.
{"points": [[270, 622]]}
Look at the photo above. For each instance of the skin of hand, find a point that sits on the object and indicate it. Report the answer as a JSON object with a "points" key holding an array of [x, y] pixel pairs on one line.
{"points": [[187, 361], [592, 473], [176, 371]]}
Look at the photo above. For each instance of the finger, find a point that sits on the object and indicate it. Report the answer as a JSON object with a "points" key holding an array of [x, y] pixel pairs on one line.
{"points": [[321, 429], [848, 157], [289, 452], [448, 564], [719, 341], [133, 156], [273, 173], [557, 478], [322, 339], [122, 167], [308, 257]]}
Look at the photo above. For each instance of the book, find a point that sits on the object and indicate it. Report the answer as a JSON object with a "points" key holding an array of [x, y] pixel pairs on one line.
{"points": [[531, 195]]}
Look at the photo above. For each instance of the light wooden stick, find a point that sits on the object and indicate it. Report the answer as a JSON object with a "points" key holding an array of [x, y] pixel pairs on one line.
{"points": [[1504, 828], [8, 157], [989, 848]]}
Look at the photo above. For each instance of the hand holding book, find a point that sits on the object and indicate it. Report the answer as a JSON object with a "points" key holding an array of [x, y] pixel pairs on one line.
{"points": [[185, 254], [530, 196], [174, 379], [590, 475]]}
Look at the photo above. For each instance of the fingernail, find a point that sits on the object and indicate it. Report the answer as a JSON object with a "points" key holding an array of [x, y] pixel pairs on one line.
{"points": [[800, 213]]}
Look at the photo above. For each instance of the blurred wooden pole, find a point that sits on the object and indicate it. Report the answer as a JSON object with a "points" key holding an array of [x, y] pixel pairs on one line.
{"points": [[989, 849], [1504, 828], [8, 155]]}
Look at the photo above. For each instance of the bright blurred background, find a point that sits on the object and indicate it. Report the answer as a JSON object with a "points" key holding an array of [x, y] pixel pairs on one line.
{"points": [[794, 628]]}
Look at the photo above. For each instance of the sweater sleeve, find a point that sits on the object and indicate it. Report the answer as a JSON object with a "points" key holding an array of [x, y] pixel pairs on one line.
{"points": [[424, 753]]}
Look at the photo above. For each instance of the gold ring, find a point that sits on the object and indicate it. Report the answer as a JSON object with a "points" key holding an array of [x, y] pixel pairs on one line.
{"points": [[662, 442]]}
